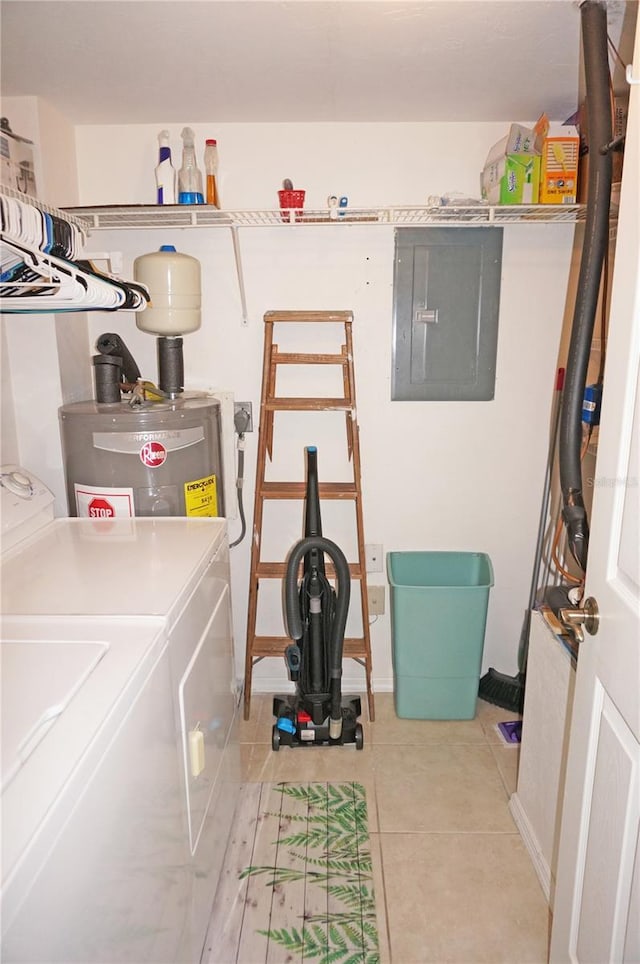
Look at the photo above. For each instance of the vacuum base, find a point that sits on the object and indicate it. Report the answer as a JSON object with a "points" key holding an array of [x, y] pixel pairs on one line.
{"points": [[294, 726]]}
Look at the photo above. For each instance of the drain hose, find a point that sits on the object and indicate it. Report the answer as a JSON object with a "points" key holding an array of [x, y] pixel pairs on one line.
{"points": [[294, 619], [596, 237], [111, 344]]}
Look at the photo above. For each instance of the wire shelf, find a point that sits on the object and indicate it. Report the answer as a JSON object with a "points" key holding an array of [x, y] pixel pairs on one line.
{"points": [[145, 216], [204, 216], [64, 215]]}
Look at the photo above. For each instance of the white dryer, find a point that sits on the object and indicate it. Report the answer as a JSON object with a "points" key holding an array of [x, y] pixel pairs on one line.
{"points": [[119, 748]]}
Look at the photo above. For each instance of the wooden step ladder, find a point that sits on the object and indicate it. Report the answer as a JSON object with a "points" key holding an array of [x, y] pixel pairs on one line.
{"points": [[357, 648]]}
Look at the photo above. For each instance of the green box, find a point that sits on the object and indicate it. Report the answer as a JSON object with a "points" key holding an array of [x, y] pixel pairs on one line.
{"points": [[513, 179], [439, 603]]}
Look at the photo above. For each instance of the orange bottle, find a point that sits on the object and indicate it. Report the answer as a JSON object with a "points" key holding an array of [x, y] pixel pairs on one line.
{"points": [[211, 170]]}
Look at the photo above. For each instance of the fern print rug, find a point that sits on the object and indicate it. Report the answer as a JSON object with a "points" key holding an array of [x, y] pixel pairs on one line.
{"points": [[297, 881]]}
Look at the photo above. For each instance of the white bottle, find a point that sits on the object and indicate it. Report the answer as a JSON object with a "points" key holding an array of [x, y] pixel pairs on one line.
{"points": [[165, 172]]}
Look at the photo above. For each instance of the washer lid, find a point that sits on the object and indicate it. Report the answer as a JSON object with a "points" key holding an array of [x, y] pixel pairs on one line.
{"points": [[49, 675]]}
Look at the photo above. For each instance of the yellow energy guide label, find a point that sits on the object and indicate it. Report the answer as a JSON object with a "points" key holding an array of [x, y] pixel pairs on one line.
{"points": [[201, 496]]}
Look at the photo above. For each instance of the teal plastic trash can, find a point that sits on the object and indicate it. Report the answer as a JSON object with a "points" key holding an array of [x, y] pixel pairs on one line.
{"points": [[439, 603]]}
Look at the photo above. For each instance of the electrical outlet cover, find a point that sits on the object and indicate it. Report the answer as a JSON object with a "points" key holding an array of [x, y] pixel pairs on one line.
{"points": [[375, 598]]}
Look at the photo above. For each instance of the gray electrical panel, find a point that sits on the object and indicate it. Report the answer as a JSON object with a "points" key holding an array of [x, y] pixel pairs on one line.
{"points": [[446, 300]]}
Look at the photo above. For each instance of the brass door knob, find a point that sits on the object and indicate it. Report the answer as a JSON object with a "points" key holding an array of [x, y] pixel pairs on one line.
{"points": [[587, 616]]}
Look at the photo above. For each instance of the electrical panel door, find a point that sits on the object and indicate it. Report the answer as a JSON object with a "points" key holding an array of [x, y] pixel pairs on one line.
{"points": [[446, 302]]}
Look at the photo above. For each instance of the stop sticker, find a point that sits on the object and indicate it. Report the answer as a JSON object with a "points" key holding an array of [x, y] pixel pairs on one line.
{"points": [[101, 509], [153, 454], [103, 502]]}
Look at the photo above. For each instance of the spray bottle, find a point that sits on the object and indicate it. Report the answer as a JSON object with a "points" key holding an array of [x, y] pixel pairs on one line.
{"points": [[189, 175], [165, 172]]}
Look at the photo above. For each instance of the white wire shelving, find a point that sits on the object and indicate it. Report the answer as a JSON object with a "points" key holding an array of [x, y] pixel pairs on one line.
{"points": [[64, 215], [146, 216], [204, 216], [39, 247]]}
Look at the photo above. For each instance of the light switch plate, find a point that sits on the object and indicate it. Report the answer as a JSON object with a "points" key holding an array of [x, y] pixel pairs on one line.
{"points": [[373, 557]]}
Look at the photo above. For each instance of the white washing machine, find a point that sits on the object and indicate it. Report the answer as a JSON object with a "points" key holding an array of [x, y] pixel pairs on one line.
{"points": [[120, 766]]}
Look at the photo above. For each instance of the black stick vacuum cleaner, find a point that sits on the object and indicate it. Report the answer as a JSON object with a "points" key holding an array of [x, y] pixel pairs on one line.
{"points": [[316, 714]]}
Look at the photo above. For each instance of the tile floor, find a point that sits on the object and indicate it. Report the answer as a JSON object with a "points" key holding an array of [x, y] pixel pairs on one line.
{"points": [[454, 882]]}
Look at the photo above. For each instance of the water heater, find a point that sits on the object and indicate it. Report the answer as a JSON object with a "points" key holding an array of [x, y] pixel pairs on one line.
{"points": [[163, 460]]}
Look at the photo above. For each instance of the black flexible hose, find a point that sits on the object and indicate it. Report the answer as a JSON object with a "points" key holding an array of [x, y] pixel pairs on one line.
{"points": [[294, 619], [111, 344], [596, 237], [239, 485]]}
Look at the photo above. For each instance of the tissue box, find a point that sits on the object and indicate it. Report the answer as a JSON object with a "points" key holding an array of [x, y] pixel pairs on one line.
{"points": [[511, 172], [16, 161]]}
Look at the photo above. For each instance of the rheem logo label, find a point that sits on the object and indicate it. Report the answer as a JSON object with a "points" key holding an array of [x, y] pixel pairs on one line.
{"points": [[153, 454]]}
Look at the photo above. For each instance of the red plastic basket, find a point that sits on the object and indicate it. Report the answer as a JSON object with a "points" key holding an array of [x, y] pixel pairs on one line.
{"points": [[291, 199]]}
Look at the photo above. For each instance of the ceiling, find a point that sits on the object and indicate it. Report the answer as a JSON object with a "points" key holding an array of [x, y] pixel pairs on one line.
{"points": [[175, 61]]}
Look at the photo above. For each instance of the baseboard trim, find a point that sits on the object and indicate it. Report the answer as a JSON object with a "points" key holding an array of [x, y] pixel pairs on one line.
{"points": [[530, 841]]}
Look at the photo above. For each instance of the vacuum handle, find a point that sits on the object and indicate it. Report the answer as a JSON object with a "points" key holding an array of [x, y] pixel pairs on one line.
{"points": [[312, 521]]}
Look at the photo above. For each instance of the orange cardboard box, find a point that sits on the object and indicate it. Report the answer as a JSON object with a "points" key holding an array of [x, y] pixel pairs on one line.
{"points": [[559, 149]]}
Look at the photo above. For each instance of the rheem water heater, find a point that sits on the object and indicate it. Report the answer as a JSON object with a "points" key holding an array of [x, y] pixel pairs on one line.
{"points": [[163, 460]]}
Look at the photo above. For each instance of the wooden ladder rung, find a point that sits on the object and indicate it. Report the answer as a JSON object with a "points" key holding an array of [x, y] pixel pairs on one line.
{"points": [[294, 358], [308, 404], [298, 490], [354, 647], [335, 317], [277, 570]]}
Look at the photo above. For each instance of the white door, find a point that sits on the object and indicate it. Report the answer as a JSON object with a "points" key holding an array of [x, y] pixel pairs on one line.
{"points": [[597, 900]]}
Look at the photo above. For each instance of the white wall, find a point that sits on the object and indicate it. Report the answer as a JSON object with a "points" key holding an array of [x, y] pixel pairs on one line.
{"points": [[43, 357], [435, 475], [370, 163], [53, 137]]}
